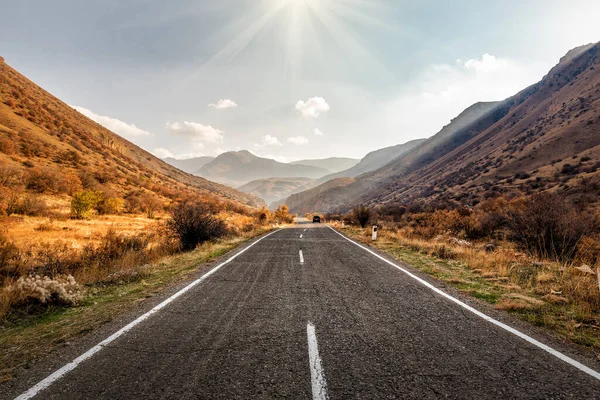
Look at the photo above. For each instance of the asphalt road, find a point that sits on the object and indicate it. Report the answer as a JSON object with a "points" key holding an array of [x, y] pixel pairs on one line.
{"points": [[342, 324]]}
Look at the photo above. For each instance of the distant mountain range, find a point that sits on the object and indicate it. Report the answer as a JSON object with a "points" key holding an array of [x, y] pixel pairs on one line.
{"points": [[274, 189], [546, 137], [332, 164]]}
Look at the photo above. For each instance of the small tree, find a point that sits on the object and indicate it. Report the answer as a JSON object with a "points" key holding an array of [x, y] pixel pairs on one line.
{"points": [[362, 215], [193, 223], [150, 204], [83, 203]]}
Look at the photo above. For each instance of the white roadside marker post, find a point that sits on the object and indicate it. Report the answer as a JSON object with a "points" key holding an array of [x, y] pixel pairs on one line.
{"points": [[374, 232]]}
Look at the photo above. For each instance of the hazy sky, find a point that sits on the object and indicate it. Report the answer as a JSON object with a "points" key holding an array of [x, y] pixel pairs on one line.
{"points": [[288, 79]]}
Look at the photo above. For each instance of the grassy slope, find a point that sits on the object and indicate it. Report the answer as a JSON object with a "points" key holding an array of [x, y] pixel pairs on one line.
{"points": [[31, 337]]}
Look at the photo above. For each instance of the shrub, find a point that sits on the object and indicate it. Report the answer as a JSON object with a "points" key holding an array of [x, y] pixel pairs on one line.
{"points": [[72, 184], [108, 203], [193, 223], [282, 215], [7, 146], [42, 180], [10, 176], [548, 226], [83, 203], [264, 215], [32, 205], [361, 215], [61, 290], [8, 254]]}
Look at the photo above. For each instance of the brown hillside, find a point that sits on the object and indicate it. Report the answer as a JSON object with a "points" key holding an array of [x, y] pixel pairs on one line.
{"points": [[546, 137], [40, 132]]}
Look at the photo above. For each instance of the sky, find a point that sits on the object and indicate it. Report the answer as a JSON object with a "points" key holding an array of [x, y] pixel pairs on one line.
{"points": [[286, 79]]}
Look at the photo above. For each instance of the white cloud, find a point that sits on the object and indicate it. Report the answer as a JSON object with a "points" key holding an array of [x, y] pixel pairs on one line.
{"points": [[112, 124], [162, 153], [196, 131], [268, 140], [443, 91], [223, 104], [318, 132], [298, 140], [313, 107]]}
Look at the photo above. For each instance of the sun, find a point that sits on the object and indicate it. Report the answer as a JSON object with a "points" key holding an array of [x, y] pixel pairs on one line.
{"points": [[304, 26]]}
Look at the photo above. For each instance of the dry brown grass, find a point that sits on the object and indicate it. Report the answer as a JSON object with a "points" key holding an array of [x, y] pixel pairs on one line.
{"points": [[33, 232], [546, 293]]}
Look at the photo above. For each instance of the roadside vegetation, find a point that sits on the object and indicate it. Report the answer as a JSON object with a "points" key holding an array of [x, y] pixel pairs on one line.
{"points": [[535, 257], [73, 257]]}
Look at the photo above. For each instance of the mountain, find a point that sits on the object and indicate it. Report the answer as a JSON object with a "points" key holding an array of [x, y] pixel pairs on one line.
{"points": [[189, 165], [374, 160], [332, 164], [317, 198], [236, 168], [546, 137], [273, 189], [42, 136]]}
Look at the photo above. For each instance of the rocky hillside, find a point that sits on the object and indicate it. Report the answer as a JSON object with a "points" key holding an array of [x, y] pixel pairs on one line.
{"points": [[374, 160], [546, 137], [40, 136], [331, 164]]}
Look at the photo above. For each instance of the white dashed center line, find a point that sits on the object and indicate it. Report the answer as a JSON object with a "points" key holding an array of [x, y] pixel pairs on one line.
{"points": [[300, 236], [317, 377], [301, 257]]}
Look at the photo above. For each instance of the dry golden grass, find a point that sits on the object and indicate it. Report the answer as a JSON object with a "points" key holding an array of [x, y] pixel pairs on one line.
{"points": [[33, 232]]}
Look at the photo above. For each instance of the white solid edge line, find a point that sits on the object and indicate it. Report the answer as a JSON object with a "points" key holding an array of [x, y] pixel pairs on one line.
{"points": [[317, 378], [510, 329], [45, 383], [301, 257]]}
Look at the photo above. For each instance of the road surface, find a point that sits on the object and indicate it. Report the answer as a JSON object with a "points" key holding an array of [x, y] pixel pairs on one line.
{"points": [[306, 314]]}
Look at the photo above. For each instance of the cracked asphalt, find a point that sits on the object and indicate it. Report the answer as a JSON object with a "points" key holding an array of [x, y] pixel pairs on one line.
{"points": [[241, 334]]}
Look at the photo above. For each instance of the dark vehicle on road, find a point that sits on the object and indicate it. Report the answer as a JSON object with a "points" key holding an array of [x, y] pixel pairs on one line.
{"points": [[316, 219]]}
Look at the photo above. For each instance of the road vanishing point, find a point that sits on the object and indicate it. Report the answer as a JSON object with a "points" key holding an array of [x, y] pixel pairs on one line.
{"points": [[306, 313]]}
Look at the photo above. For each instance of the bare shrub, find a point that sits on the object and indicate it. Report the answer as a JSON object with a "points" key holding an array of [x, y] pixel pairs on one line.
{"points": [[150, 204], [42, 180], [193, 223], [10, 176], [547, 226], [362, 215], [32, 205]]}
